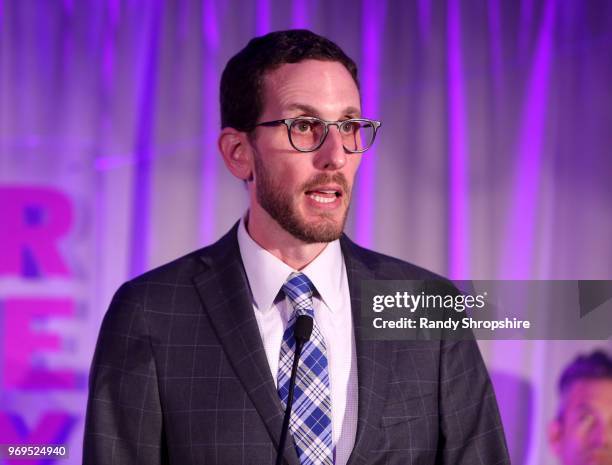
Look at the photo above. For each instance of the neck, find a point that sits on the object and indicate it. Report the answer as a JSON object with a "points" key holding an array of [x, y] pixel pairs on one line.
{"points": [[271, 236]]}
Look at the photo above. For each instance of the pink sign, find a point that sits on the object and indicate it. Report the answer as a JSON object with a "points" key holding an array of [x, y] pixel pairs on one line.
{"points": [[34, 220]]}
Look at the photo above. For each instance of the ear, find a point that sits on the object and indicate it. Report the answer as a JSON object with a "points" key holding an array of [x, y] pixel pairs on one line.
{"points": [[237, 153], [555, 433]]}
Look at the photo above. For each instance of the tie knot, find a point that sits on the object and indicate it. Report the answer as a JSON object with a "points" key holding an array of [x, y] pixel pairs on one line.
{"points": [[299, 289]]}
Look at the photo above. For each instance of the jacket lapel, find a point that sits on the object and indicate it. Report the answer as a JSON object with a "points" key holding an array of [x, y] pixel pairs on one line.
{"points": [[373, 359], [226, 296]]}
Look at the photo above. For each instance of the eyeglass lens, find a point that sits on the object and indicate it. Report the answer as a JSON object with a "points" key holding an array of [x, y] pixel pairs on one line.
{"points": [[308, 134]]}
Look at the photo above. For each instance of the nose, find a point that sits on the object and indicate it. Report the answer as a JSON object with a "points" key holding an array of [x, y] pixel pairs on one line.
{"points": [[601, 434], [607, 433], [331, 155]]}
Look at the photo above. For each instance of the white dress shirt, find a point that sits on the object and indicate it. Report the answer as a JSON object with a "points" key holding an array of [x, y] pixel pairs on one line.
{"points": [[332, 313]]}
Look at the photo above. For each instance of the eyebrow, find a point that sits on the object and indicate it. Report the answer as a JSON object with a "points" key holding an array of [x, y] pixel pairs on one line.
{"points": [[349, 111]]}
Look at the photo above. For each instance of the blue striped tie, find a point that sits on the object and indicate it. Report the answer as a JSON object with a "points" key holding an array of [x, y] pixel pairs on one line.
{"points": [[310, 422]]}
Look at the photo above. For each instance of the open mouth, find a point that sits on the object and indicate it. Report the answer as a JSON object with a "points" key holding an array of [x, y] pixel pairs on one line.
{"points": [[324, 195]]}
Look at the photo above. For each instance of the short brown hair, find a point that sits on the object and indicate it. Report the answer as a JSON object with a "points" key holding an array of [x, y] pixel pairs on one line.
{"points": [[242, 79]]}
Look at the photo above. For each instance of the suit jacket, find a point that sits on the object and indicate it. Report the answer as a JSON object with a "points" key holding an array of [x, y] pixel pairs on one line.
{"points": [[180, 376]]}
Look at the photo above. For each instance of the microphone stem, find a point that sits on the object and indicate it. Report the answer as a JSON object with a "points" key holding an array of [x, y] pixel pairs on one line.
{"points": [[283, 438]]}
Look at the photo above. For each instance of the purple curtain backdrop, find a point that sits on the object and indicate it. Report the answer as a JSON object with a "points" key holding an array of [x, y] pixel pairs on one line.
{"points": [[493, 162]]}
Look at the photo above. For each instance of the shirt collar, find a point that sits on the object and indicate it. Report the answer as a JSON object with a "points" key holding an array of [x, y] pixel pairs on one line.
{"points": [[325, 272]]}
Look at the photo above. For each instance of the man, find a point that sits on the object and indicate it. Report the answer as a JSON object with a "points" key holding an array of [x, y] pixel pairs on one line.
{"points": [[581, 434], [193, 359]]}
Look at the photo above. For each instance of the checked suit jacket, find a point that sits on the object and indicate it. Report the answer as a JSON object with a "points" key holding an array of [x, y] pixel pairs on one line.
{"points": [[180, 376]]}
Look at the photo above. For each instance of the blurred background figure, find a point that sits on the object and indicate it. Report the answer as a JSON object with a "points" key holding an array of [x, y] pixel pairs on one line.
{"points": [[581, 434]]}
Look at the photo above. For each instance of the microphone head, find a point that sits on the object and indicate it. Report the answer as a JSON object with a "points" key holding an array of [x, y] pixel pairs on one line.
{"points": [[303, 328]]}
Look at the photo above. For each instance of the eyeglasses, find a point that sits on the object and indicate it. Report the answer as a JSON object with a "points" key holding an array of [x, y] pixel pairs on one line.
{"points": [[307, 134]]}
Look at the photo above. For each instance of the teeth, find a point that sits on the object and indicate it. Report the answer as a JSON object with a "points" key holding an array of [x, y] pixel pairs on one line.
{"points": [[320, 199]]}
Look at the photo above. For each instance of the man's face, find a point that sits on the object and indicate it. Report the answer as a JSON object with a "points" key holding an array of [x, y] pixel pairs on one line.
{"points": [[307, 194], [583, 434]]}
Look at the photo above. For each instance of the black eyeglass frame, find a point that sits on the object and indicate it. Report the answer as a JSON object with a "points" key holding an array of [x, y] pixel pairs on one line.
{"points": [[289, 121]]}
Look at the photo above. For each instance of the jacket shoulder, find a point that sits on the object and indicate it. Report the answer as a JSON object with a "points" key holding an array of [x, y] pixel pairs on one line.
{"points": [[181, 271], [385, 266]]}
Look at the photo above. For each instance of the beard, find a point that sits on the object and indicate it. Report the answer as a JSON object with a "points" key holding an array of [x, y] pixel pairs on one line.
{"points": [[280, 206]]}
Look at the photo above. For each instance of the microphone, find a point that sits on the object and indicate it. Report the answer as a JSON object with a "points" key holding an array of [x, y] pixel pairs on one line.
{"points": [[301, 332]]}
